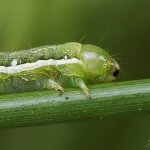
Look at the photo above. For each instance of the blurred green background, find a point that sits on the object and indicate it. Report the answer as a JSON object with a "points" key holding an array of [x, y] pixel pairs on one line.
{"points": [[120, 26]]}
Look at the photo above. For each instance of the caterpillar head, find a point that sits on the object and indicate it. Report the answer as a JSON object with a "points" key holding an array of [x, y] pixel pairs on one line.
{"points": [[99, 64]]}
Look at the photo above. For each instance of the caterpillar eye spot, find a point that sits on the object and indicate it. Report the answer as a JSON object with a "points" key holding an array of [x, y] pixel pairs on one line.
{"points": [[104, 65], [101, 58]]}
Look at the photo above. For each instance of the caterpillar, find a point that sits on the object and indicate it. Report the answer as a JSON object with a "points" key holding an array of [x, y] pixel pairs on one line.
{"points": [[70, 64]]}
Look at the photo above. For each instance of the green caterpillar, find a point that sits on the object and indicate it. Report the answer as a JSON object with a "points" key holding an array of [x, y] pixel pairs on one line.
{"points": [[66, 65]]}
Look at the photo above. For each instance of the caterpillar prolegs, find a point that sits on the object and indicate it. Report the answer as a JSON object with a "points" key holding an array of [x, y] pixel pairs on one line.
{"points": [[66, 65]]}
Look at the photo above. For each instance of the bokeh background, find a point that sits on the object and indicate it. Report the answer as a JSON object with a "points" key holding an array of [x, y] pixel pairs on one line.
{"points": [[120, 26]]}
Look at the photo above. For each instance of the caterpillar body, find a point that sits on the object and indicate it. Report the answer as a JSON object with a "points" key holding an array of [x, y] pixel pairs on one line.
{"points": [[66, 65]]}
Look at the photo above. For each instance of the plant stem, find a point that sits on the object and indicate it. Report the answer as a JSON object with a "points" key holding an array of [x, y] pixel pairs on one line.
{"points": [[126, 98]]}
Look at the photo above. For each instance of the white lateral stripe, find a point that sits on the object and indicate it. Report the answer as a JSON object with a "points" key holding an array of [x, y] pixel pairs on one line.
{"points": [[38, 64]]}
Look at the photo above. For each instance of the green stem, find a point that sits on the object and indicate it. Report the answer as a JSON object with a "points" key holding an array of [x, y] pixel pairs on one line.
{"points": [[44, 107]]}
